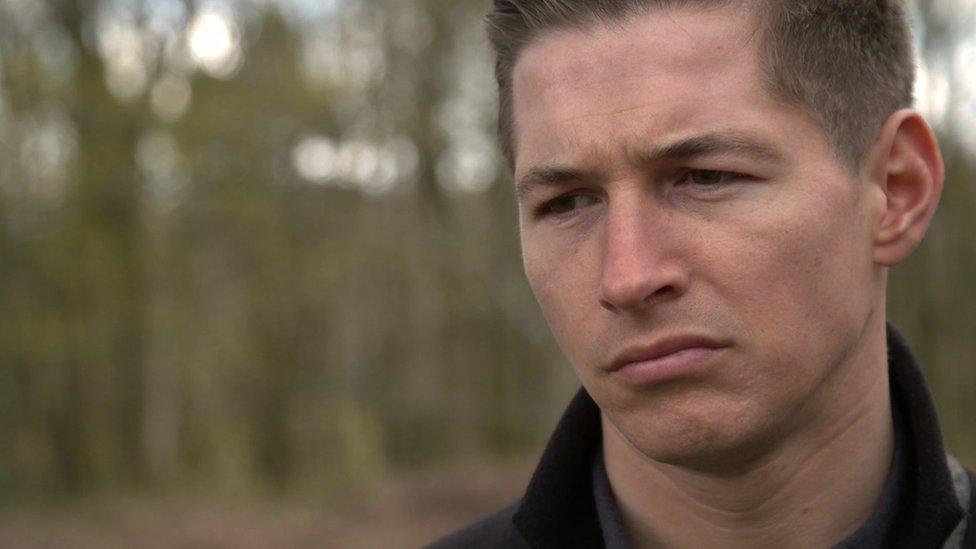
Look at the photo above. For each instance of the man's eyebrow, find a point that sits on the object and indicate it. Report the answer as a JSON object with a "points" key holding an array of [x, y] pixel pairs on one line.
{"points": [[682, 149], [712, 144], [547, 176]]}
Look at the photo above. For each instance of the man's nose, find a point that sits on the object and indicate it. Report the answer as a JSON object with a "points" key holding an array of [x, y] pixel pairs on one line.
{"points": [[642, 262]]}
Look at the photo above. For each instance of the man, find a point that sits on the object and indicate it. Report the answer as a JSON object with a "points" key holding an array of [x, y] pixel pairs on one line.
{"points": [[711, 194]]}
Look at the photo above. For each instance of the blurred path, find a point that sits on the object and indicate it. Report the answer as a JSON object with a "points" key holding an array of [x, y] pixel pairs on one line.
{"points": [[407, 512]]}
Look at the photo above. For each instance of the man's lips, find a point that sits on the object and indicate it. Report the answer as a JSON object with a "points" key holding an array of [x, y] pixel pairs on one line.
{"points": [[665, 357]]}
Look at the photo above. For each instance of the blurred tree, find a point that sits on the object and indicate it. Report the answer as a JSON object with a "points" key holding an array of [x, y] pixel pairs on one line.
{"points": [[270, 244]]}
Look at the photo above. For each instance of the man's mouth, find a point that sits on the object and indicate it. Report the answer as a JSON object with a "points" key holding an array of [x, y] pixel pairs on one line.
{"points": [[665, 358]]}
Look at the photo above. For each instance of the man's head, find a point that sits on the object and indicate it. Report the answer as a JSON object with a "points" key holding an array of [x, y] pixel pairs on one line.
{"points": [[671, 200], [848, 63]]}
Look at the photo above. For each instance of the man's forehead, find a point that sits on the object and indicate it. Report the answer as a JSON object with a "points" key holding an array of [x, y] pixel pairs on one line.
{"points": [[659, 65], [678, 33]]}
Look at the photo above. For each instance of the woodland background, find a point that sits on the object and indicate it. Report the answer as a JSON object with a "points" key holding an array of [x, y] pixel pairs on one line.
{"points": [[260, 282]]}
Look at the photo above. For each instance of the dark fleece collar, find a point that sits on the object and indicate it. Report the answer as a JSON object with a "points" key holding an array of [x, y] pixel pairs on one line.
{"points": [[559, 510]]}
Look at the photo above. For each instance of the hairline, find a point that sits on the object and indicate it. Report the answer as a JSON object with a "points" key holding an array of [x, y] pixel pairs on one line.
{"points": [[761, 22]]}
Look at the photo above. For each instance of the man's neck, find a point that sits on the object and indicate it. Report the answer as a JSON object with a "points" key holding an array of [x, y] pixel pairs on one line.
{"points": [[812, 490]]}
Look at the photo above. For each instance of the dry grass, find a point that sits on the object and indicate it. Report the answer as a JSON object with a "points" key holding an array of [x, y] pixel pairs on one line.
{"points": [[407, 512]]}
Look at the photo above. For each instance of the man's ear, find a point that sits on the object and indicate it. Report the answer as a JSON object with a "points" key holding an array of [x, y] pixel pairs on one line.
{"points": [[906, 164]]}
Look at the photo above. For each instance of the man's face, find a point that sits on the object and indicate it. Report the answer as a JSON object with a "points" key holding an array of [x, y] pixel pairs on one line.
{"points": [[667, 202]]}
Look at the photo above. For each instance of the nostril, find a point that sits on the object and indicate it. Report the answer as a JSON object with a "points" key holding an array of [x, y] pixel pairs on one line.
{"points": [[643, 291], [632, 295]]}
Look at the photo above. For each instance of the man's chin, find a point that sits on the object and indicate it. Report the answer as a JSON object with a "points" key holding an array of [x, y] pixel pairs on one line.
{"points": [[715, 449], [715, 462]]}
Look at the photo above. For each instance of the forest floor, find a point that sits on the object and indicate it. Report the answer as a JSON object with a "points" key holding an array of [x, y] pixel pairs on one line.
{"points": [[409, 511]]}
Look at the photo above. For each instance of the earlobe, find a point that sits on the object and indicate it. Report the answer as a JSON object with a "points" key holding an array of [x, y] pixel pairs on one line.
{"points": [[907, 164]]}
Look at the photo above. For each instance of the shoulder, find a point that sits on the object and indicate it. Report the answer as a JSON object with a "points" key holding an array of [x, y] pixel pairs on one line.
{"points": [[964, 484], [495, 530]]}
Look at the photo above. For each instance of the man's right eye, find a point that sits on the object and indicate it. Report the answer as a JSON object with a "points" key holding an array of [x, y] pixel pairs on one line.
{"points": [[566, 204]]}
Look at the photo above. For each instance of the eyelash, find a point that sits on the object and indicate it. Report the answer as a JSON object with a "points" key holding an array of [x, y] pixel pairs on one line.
{"points": [[727, 177], [545, 209]]}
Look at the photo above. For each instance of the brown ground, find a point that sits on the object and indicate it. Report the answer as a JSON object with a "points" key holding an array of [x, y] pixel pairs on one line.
{"points": [[408, 512]]}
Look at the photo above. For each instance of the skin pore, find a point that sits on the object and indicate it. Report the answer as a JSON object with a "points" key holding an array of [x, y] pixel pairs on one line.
{"points": [[665, 196]]}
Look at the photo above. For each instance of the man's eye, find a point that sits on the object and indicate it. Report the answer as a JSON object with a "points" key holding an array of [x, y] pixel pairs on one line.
{"points": [[566, 204], [708, 178]]}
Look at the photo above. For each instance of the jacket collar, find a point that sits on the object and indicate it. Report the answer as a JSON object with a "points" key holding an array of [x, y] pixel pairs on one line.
{"points": [[558, 508], [933, 511]]}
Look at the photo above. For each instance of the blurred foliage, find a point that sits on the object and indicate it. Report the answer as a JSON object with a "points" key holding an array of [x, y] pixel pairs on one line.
{"points": [[270, 244]]}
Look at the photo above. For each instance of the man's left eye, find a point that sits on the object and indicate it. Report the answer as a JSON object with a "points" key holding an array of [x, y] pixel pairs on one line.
{"points": [[708, 178]]}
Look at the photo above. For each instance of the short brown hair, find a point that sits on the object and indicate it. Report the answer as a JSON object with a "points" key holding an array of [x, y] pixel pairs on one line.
{"points": [[848, 63]]}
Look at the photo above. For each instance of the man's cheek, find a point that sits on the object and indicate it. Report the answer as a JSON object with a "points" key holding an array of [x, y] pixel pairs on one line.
{"points": [[563, 303]]}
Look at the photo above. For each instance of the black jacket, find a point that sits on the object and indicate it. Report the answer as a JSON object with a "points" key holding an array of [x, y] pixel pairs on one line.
{"points": [[558, 509]]}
